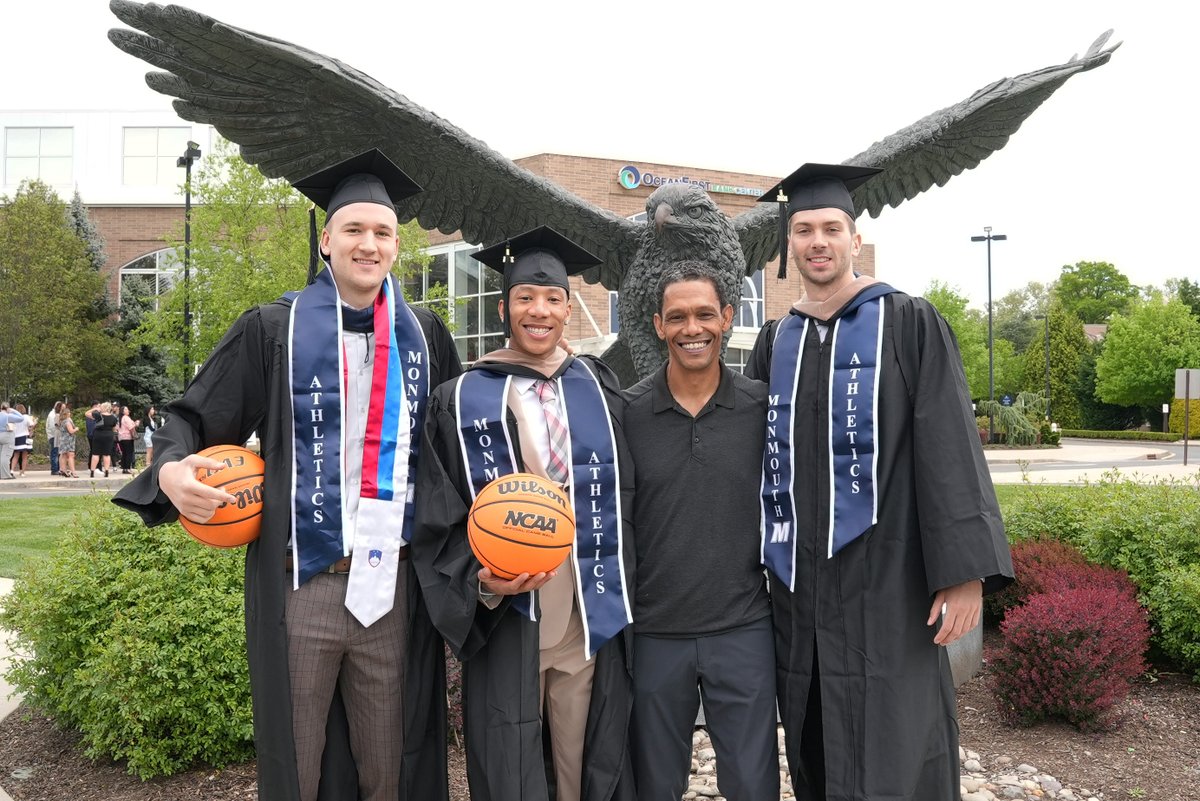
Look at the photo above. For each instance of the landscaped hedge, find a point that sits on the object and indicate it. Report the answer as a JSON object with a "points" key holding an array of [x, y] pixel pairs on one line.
{"points": [[135, 637], [1147, 436], [1175, 421], [1151, 531]]}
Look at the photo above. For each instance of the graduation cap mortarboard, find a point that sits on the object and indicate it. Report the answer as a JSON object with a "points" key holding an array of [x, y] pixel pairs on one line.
{"points": [[814, 186], [369, 177], [542, 257]]}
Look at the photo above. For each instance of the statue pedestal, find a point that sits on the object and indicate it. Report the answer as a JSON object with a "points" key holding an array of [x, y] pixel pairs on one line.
{"points": [[966, 655]]}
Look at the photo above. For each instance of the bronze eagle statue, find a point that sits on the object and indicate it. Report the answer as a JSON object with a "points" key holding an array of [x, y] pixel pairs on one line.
{"points": [[293, 112]]}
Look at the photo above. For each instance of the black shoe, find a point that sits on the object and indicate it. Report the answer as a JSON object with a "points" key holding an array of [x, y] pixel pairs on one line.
{"points": [[106, 474], [93, 473]]}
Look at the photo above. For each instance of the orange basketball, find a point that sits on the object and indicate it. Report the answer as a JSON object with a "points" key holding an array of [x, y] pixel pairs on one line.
{"points": [[521, 523], [238, 523]]}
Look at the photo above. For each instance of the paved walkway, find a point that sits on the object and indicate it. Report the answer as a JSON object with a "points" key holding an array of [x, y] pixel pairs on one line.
{"points": [[1081, 460]]}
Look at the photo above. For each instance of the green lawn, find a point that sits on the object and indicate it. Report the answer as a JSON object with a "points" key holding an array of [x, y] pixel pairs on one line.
{"points": [[30, 527]]}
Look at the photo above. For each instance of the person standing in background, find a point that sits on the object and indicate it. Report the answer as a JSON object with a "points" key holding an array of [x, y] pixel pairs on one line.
{"points": [[52, 436], [153, 421], [104, 438], [22, 441], [65, 432], [126, 431], [8, 423]]}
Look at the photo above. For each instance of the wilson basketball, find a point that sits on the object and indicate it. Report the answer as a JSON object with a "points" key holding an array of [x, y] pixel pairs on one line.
{"points": [[239, 522], [521, 523]]}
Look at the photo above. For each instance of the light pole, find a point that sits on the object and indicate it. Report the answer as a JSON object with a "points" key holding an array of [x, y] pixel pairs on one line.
{"points": [[1046, 317], [989, 238], [186, 161]]}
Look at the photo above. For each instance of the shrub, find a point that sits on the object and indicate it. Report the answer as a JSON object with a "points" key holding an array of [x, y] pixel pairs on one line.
{"points": [[1175, 420], [1175, 604], [1146, 529], [1038, 566], [1070, 654], [136, 638], [1149, 436]]}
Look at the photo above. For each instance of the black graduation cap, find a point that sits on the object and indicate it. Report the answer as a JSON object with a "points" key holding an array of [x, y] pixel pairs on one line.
{"points": [[369, 177], [814, 186], [542, 257]]}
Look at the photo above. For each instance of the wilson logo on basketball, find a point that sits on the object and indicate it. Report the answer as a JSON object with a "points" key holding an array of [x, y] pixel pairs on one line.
{"points": [[530, 488], [527, 520]]}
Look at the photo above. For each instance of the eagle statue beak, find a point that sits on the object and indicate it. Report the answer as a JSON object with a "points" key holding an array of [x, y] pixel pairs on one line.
{"points": [[663, 213]]}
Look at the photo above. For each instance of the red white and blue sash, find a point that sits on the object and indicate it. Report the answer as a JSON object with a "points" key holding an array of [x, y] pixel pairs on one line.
{"points": [[322, 533], [480, 407], [852, 400]]}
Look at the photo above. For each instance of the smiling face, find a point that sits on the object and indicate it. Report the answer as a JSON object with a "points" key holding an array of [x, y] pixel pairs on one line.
{"points": [[823, 246], [691, 322], [361, 241], [537, 315]]}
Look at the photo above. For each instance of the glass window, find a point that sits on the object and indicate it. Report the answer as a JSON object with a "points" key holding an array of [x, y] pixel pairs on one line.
{"points": [[43, 154], [152, 275], [475, 290], [737, 358], [151, 156], [614, 318], [750, 311]]}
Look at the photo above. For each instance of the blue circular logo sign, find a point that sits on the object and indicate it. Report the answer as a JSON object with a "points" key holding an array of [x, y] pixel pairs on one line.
{"points": [[629, 177]]}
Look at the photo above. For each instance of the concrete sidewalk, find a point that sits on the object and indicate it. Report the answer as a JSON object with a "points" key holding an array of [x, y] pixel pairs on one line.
{"points": [[42, 480], [1079, 460]]}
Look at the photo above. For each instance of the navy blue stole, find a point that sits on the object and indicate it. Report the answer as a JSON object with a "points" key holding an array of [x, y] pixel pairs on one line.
{"points": [[856, 338], [320, 532], [480, 407]]}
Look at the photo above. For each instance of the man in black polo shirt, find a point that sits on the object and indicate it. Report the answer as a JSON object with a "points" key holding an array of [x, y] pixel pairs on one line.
{"points": [[701, 615]]}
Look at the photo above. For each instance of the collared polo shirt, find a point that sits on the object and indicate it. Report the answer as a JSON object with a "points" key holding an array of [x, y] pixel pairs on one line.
{"points": [[697, 507]]}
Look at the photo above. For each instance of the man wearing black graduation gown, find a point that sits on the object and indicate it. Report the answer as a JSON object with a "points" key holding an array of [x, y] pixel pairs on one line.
{"points": [[878, 515], [246, 386], [564, 634]]}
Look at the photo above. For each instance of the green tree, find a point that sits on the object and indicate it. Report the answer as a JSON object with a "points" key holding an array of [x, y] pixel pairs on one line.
{"points": [[1067, 348], [51, 341], [1095, 414], [970, 329], [1014, 316], [249, 246], [1094, 290], [1188, 291], [1143, 350]]}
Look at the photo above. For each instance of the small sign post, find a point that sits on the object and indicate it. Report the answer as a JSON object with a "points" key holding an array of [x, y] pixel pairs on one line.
{"points": [[1184, 379]]}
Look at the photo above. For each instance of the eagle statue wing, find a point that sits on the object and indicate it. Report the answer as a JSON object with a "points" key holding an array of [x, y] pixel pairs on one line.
{"points": [[934, 149], [293, 112]]}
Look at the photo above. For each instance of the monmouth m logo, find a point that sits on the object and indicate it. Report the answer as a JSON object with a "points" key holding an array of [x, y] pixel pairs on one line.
{"points": [[629, 177]]}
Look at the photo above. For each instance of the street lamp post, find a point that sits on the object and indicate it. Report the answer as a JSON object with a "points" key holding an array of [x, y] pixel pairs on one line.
{"points": [[989, 238], [186, 161], [1046, 317]]}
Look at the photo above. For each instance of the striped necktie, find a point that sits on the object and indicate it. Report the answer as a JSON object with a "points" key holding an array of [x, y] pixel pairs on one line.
{"points": [[557, 469]]}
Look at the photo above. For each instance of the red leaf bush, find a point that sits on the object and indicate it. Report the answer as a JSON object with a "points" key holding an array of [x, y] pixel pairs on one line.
{"points": [[1038, 566], [1071, 653]]}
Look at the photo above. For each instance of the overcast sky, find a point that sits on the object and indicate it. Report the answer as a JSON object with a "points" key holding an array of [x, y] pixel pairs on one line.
{"points": [[1103, 171]]}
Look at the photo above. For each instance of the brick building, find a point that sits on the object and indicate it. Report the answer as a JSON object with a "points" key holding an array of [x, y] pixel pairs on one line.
{"points": [[124, 165]]}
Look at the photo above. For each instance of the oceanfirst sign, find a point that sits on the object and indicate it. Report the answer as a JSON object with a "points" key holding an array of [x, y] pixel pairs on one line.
{"points": [[630, 177]]}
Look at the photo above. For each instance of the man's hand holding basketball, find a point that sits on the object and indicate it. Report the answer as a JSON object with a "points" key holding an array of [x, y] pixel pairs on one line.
{"points": [[522, 583], [195, 500]]}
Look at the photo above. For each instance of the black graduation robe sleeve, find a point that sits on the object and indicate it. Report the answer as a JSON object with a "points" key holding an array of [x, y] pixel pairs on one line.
{"points": [[446, 567], [225, 403], [758, 366], [962, 533]]}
